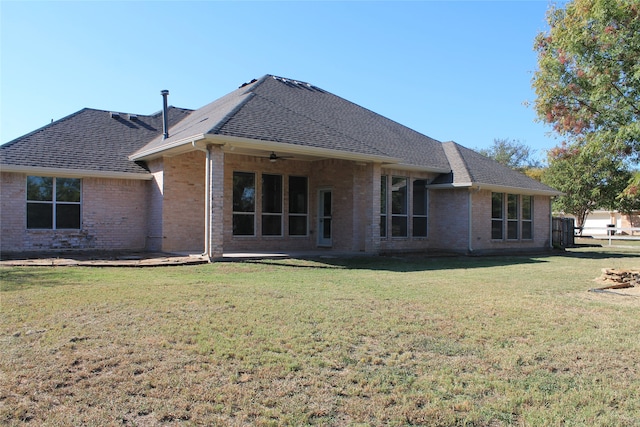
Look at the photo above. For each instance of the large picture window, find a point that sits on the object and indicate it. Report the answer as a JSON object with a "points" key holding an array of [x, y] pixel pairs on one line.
{"points": [[53, 203], [420, 208], [298, 206], [271, 205], [244, 203], [399, 198]]}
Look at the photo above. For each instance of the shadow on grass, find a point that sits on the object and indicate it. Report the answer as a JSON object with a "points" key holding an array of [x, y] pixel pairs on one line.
{"points": [[402, 263], [601, 252], [12, 279], [413, 263]]}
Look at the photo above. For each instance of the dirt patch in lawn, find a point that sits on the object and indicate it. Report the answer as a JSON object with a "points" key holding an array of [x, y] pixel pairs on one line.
{"points": [[98, 259]]}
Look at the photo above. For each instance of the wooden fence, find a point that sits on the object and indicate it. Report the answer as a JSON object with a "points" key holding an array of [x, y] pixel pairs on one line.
{"points": [[563, 232]]}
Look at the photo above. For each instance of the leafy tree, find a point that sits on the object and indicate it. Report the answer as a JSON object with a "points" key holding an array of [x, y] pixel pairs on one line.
{"points": [[588, 182], [535, 173], [629, 200], [588, 81], [511, 153]]}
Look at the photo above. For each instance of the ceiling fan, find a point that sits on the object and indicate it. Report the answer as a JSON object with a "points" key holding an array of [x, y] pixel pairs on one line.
{"points": [[273, 157]]}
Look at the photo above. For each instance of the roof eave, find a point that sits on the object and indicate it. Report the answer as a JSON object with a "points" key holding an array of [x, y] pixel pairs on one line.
{"points": [[497, 188], [258, 144], [73, 173], [165, 148], [418, 168]]}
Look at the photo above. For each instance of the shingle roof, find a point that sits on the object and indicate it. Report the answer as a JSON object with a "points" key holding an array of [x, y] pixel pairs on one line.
{"points": [[271, 109], [88, 140], [288, 111], [471, 168]]}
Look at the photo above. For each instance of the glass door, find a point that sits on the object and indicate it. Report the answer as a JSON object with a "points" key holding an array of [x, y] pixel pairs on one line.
{"points": [[324, 218]]}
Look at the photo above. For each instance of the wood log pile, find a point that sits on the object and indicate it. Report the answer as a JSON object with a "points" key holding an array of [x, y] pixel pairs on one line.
{"points": [[619, 279]]}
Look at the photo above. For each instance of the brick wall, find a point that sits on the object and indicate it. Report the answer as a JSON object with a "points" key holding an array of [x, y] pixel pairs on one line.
{"points": [[154, 200], [114, 213], [183, 202], [449, 220], [13, 211]]}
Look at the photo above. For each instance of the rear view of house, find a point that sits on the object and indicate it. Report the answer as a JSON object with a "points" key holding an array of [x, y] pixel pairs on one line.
{"points": [[275, 165]]}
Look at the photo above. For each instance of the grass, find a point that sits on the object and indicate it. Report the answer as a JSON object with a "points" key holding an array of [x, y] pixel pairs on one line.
{"points": [[357, 342]]}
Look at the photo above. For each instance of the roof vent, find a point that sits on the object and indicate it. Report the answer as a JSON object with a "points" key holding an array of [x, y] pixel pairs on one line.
{"points": [[114, 115], [247, 84], [133, 117]]}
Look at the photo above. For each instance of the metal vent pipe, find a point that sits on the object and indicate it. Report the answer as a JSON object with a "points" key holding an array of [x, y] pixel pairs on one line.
{"points": [[165, 118]]}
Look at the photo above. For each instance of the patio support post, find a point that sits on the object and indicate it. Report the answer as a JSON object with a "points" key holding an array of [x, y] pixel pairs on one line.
{"points": [[216, 202]]}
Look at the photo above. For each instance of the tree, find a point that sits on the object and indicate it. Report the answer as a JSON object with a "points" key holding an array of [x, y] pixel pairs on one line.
{"points": [[588, 78], [511, 153], [588, 182]]}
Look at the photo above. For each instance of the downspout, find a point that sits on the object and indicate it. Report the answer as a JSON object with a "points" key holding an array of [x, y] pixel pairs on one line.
{"points": [[470, 227], [550, 222], [207, 199]]}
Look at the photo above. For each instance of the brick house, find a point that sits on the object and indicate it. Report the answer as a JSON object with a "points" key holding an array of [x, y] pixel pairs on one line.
{"points": [[276, 165]]}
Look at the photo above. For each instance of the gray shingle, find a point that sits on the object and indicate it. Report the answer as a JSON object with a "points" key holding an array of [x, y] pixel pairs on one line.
{"points": [[88, 140], [288, 111], [470, 167]]}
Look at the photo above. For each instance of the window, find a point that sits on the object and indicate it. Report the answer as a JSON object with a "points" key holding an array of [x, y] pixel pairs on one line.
{"points": [[512, 216], [519, 216], [497, 215], [271, 205], [244, 204], [527, 217], [399, 206], [53, 203], [383, 206], [420, 208], [298, 206]]}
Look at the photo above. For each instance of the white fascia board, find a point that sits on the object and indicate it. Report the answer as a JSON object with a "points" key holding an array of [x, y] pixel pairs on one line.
{"points": [[73, 173], [417, 168], [258, 144], [497, 188], [160, 149]]}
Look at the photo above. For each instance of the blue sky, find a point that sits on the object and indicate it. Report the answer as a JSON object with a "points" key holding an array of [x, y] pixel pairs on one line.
{"points": [[453, 70]]}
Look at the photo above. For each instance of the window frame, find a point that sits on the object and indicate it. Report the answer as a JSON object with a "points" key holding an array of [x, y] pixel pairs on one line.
{"points": [[403, 214], [422, 184], [56, 203], [243, 213], [513, 216], [497, 219], [525, 220], [296, 215], [513, 219], [384, 205], [267, 212]]}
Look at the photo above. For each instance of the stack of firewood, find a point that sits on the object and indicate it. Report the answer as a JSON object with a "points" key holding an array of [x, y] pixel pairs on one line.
{"points": [[619, 279]]}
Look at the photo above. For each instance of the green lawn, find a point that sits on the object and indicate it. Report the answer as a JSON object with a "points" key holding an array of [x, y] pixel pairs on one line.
{"points": [[366, 341]]}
